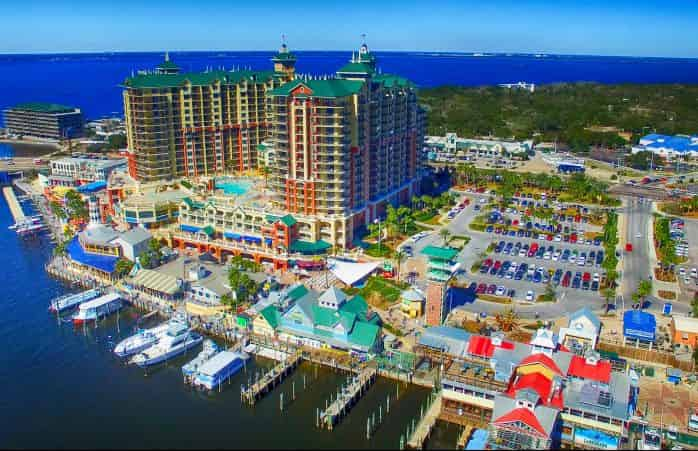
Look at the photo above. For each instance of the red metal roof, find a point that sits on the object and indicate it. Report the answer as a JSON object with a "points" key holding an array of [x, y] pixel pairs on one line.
{"points": [[580, 368], [543, 360], [480, 346], [523, 415], [507, 345], [541, 385]]}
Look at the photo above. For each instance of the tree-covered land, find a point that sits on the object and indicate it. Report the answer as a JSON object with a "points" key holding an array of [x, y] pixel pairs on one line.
{"points": [[578, 114]]}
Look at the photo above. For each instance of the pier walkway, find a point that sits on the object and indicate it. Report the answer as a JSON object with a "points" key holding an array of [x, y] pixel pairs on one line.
{"points": [[347, 397], [269, 380], [15, 207], [417, 437]]}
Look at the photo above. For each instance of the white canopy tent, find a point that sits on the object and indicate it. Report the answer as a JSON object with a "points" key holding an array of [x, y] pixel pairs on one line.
{"points": [[350, 272]]}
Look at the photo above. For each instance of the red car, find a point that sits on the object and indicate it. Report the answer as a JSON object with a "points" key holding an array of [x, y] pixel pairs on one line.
{"points": [[586, 277], [573, 238], [491, 289], [481, 288], [497, 265], [549, 237], [566, 280], [628, 247], [487, 262]]}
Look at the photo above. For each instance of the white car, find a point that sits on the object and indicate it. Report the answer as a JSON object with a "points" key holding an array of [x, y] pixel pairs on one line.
{"points": [[483, 200], [546, 256], [556, 256], [595, 277], [558, 237], [694, 272], [529, 295], [682, 271], [500, 291], [638, 235]]}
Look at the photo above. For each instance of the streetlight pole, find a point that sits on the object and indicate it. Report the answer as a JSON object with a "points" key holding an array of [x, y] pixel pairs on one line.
{"points": [[377, 221]]}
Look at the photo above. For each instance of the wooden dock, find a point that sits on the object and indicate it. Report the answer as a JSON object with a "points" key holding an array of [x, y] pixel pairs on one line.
{"points": [[271, 379], [15, 207], [346, 398], [419, 434]]}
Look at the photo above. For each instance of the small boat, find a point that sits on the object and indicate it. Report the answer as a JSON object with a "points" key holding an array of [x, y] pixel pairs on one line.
{"points": [[218, 369], [98, 308], [210, 349], [73, 300], [178, 339], [140, 341]]}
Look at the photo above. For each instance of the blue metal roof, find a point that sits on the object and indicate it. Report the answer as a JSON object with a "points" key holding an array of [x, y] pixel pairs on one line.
{"points": [[679, 144], [92, 187], [101, 262], [637, 324]]}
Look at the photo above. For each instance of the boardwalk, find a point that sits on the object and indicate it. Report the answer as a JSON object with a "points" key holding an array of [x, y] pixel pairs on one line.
{"points": [[417, 437], [15, 208], [270, 379], [347, 397]]}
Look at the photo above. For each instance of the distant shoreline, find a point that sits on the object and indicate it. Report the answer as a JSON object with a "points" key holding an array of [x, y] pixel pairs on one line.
{"points": [[28, 148]]}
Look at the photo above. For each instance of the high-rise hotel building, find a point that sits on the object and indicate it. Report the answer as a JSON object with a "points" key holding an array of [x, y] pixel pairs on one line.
{"points": [[345, 146], [196, 124]]}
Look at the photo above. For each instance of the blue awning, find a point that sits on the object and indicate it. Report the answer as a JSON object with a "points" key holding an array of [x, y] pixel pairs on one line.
{"points": [[189, 228], [269, 241], [252, 239], [92, 187], [232, 236], [103, 263]]}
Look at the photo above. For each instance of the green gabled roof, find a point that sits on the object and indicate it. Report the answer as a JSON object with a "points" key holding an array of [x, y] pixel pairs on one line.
{"points": [[298, 292], [167, 65], [281, 56], [288, 220], [192, 203], [356, 68], [39, 107], [271, 315], [196, 78], [271, 219], [356, 305], [335, 87], [393, 81], [208, 230], [364, 334], [323, 316], [444, 253]]}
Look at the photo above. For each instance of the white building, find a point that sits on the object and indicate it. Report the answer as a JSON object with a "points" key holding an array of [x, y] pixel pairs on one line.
{"points": [[582, 331], [134, 242], [83, 170], [452, 148]]}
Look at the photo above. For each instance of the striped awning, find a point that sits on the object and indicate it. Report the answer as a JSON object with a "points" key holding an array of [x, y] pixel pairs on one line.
{"points": [[157, 281]]}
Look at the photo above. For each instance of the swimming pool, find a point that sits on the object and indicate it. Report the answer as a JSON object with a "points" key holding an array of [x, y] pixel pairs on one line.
{"points": [[231, 186]]}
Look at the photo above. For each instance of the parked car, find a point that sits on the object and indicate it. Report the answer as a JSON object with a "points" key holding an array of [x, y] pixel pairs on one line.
{"points": [[530, 295]]}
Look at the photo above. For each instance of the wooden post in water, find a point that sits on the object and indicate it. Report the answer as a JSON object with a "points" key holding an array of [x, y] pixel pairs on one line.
{"points": [[281, 401], [387, 404], [293, 391], [368, 429]]}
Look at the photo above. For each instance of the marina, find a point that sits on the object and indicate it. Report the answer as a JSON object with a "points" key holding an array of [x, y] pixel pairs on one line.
{"points": [[178, 339], [269, 380], [140, 341], [347, 396]]}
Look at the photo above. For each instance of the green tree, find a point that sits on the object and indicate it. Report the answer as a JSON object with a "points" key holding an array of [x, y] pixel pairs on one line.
{"points": [[60, 248], [445, 235], [608, 294], [116, 142], [76, 205], [57, 210], [123, 267], [400, 256]]}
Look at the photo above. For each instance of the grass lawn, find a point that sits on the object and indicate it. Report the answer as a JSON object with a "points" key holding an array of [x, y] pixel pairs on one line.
{"points": [[380, 292], [383, 250]]}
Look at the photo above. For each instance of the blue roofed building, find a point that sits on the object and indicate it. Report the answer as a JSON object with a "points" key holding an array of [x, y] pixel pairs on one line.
{"points": [[668, 146], [639, 328]]}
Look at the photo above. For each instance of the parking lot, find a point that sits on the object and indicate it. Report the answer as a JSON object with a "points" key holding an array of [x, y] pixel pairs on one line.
{"points": [[526, 255], [687, 273]]}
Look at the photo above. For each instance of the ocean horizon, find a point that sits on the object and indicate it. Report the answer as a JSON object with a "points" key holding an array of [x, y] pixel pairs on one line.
{"points": [[91, 80]]}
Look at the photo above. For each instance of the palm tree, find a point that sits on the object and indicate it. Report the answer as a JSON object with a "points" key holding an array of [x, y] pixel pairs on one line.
{"points": [[400, 257], [507, 321], [445, 235]]}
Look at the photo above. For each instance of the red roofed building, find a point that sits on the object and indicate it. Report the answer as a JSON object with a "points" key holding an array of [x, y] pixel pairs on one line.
{"points": [[524, 416], [590, 367], [480, 346], [549, 391], [536, 360]]}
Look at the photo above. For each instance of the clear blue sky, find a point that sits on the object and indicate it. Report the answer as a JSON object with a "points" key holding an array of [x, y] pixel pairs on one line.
{"points": [[608, 27]]}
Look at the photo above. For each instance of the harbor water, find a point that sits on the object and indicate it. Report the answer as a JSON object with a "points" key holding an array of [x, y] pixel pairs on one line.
{"points": [[64, 388]]}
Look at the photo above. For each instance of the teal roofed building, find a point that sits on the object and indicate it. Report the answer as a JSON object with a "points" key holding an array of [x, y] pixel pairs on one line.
{"points": [[330, 319], [441, 263]]}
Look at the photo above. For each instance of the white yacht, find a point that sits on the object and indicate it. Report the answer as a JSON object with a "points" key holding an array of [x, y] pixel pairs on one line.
{"points": [[140, 341], [210, 349], [178, 338]]}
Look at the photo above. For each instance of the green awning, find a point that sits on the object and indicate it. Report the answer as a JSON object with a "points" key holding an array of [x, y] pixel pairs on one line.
{"points": [[441, 253], [208, 230], [309, 247]]}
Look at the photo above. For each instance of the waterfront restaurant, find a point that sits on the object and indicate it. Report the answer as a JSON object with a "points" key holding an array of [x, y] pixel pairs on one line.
{"points": [[156, 286], [529, 395]]}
